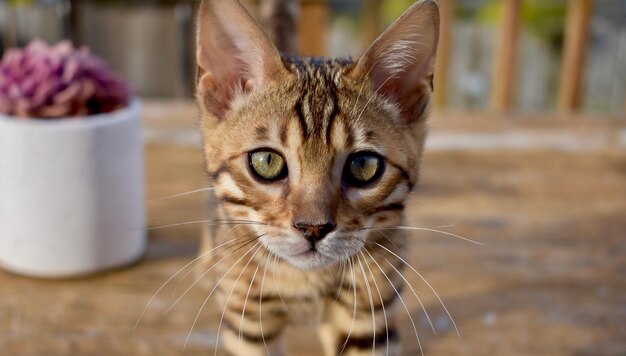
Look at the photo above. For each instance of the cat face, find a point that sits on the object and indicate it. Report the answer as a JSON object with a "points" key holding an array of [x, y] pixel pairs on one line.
{"points": [[316, 151]]}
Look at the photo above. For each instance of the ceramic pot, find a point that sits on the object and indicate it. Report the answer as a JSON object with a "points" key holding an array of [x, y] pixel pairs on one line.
{"points": [[72, 198]]}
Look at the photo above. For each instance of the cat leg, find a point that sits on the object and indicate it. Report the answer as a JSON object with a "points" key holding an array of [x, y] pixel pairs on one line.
{"points": [[328, 337]]}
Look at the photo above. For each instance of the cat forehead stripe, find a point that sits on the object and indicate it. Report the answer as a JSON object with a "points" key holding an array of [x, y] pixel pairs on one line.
{"points": [[318, 105]]}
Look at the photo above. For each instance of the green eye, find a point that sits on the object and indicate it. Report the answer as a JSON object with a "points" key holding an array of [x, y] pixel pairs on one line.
{"points": [[363, 168], [268, 165]]}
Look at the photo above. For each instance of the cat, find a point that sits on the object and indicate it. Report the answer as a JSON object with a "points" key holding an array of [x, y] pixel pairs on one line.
{"points": [[311, 160]]}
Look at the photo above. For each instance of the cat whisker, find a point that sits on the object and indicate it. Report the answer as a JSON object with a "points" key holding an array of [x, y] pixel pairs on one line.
{"points": [[428, 284], [274, 274], [448, 223], [230, 294], [181, 194], [409, 284], [371, 300], [213, 290], [343, 277], [245, 302], [205, 273], [261, 302], [432, 326], [419, 300], [174, 276], [239, 245], [329, 273], [249, 242], [390, 240], [401, 301], [422, 229], [382, 302], [210, 223], [353, 282], [193, 268]]}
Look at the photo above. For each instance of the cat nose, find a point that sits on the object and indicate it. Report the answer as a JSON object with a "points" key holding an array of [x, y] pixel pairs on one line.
{"points": [[315, 232]]}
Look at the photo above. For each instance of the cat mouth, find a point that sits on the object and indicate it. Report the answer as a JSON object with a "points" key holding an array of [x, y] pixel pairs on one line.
{"points": [[312, 252], [310, 259], [301, 253]]}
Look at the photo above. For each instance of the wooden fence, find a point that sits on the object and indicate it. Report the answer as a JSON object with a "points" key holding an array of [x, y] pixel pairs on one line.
{"points": [[314, 14], [314, 32]]}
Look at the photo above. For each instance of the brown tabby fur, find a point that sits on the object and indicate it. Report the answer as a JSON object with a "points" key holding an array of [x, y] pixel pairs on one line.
{"points": [[315, 112]]}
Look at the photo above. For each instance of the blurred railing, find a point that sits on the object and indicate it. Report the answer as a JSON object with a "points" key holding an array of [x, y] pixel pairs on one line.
{"points": [[504, 75], [573, 62], [314, 15], [165, 36]]}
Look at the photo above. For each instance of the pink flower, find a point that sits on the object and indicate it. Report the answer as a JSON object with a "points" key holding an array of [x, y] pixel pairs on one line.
{"points": [[40, 81]]}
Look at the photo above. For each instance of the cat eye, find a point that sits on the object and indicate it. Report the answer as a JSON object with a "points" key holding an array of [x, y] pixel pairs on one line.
{"points": [[363, 168], [267, 165]]}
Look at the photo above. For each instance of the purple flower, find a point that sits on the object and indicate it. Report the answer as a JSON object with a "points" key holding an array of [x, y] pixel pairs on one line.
{"points": [[41, 81]]}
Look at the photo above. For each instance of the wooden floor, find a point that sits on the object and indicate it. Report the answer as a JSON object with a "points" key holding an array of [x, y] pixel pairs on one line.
{"points": [[551, 280]]}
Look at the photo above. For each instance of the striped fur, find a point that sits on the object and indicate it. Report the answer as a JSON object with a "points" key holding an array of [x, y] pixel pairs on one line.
{"points": [[315, 112]]}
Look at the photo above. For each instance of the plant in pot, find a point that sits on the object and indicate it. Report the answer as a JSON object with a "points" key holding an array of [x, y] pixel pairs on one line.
{"points": [[71, 164]]}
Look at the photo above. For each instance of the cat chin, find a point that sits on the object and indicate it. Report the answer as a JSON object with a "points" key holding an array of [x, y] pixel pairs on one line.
{"points": [[298, 253], [311, 260]]}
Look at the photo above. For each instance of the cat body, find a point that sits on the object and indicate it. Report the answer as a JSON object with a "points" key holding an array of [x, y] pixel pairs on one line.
{"points": [[311, 160]]}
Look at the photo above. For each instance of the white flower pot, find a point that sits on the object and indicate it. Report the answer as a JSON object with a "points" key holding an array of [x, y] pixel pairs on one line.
{"points": [[72, 193]]}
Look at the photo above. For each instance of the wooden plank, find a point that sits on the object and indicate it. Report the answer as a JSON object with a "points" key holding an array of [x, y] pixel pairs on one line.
{"points": [[444, 52], [574, 54], [505, 70], [279, 18], [313, 27]]}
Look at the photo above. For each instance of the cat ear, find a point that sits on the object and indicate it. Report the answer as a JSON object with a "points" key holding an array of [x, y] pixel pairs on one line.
{"points": [[234, 55], [400, 63]]}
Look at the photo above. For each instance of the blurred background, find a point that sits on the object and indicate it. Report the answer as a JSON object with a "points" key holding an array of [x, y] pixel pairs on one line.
{"points": [[527, 154], [143, 38]]}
